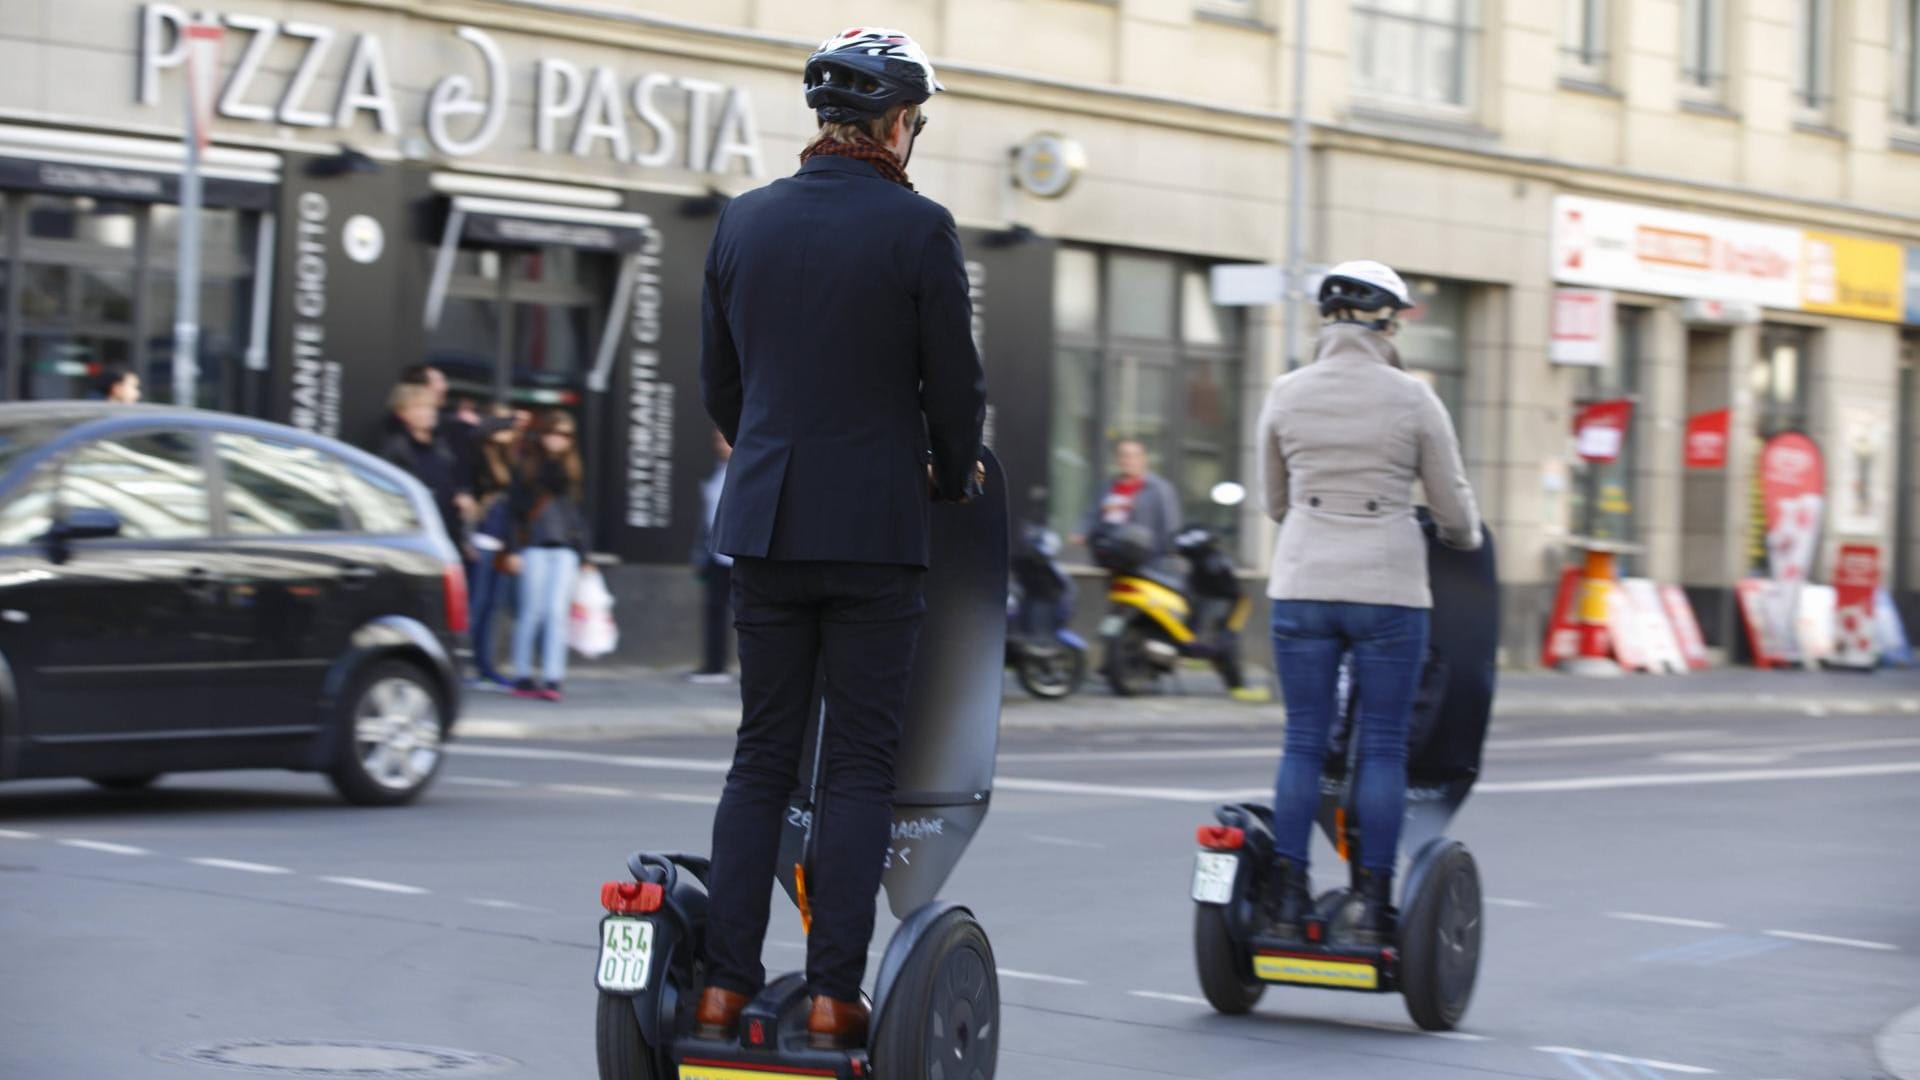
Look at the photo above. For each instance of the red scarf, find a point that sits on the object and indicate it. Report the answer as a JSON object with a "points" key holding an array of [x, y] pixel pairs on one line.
{"points": [[880, 158]]}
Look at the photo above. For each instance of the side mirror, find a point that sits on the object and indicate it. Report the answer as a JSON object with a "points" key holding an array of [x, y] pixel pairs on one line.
{"points": [[84, 523]]}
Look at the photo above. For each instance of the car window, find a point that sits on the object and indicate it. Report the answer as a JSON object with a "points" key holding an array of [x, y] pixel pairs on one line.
{"points": [[278, 488], [28, 512], [381, 505], [152, 479]]}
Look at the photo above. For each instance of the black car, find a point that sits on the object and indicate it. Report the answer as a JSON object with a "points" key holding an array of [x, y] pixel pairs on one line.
{"points": [[185, 590]]}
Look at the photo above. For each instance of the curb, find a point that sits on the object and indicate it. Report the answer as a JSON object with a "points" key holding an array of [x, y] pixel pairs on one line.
{"points": [[1898, 1045]]}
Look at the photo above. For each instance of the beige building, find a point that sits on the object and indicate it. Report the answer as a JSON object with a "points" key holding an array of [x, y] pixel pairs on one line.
{"points": [[521, 192]]}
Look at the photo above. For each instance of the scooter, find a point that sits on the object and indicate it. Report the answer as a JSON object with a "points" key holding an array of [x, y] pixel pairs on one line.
{"points": [[936, 999], [1158, 618], [1435, 958], [1046, 655]]}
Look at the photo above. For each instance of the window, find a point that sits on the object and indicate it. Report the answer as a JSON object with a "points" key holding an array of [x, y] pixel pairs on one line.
{"points": [[154, 481], [1703, 68], [1415, 51], [1780, 378], [1583, 39], [380, 505], [278, 489], [1906, 63], [1233, 9], [28, 514], [1603, 493], [1433, 340], [1813, 77]]}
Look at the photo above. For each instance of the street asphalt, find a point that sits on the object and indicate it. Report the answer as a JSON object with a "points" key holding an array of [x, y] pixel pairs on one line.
{"points": [[1673, 892]]}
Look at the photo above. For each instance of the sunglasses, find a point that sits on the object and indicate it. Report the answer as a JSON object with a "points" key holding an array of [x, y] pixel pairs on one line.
{"points": [[919, 124]]}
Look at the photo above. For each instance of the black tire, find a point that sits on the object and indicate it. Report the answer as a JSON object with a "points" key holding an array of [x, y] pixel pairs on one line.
{"points": [[1128, 670], [1054, 672], [621, 1048], [135, 782], [352, 774], [1226, 971], [943, 1016], [1440, 941]]}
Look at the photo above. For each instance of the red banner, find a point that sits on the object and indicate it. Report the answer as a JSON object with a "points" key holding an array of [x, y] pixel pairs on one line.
{"points": [[1600, 430], [1856, 577], [1563, 628], [1707, 439]]}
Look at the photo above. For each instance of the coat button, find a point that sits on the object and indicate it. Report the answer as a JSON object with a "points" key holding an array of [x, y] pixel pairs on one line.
{"points": [[1314, 501], [1372, 506]]}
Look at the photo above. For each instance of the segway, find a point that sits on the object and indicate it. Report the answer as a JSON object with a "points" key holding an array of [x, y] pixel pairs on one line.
{"points": [[1436, 956], [936, 1000]]}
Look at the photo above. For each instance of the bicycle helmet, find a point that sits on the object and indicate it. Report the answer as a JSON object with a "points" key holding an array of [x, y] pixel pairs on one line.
{"points": [[1364, 285], [864, 72]]}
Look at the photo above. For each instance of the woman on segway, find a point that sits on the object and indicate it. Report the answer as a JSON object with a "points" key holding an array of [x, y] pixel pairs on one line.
{"points": [[1341, 442]]}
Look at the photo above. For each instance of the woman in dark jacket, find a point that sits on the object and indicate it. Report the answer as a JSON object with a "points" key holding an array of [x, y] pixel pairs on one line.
{"points": [[549, 539]]}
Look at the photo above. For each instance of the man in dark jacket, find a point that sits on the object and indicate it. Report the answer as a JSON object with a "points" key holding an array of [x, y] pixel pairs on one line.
{"points": [[838, 360], [414, 444]]}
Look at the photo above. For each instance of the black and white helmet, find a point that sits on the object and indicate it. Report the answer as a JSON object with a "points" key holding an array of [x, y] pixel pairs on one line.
{"points": [[865, 71], [1363, 285]]}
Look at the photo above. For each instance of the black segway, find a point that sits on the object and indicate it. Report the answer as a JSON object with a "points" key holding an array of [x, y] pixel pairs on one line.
{"points": [[1437, 955], [936, 1000]]}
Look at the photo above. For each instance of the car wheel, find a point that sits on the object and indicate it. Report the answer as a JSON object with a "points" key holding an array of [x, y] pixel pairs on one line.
{"points": [[133, 782], [391, 725]]}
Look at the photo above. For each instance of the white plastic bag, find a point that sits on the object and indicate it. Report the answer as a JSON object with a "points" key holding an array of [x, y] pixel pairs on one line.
{"points": [[591, 630]]}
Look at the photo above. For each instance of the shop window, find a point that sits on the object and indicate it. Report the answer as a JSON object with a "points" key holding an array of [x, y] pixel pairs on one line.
{"points": [[1703, 61], [1432, 340], [1813, 68], [1906, 63], [1422, 53], [522, 324], [1780, 379], [1583, 40], [1604, 500], [1076, 291], [1141, 295], [278, 489]]}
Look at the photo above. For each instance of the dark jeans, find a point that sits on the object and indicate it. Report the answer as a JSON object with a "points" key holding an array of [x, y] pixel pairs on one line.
{"points": [[488, 587], [719, 590], [856, 625], [1388, 645]]}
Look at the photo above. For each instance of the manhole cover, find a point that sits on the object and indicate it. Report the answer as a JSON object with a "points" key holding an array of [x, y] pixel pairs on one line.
{"points": [[320, 1057]]}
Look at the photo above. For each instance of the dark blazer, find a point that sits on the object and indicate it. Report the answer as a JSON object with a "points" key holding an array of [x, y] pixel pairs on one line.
{"points": [[837, 350]]}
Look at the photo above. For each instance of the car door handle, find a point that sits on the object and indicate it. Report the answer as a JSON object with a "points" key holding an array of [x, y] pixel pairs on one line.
{"points": [[202, 584], [357, 576]]}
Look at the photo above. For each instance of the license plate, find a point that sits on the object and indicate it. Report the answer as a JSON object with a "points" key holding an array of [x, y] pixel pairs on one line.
{"points": [[626, 955], [1112, 625], [1213, 875]]}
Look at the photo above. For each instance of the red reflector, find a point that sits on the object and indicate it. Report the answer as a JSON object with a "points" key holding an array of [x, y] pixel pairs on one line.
{"points": [[454, 579], [631, 897], [1316, 931], [756, 1033], [1220, 837]]}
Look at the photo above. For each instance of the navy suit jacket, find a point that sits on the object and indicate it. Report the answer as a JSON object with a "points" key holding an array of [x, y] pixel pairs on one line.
{"points": [[836, 353]]}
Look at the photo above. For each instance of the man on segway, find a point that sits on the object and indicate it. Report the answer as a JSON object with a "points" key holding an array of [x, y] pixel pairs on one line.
{"points": [[838, 359]]}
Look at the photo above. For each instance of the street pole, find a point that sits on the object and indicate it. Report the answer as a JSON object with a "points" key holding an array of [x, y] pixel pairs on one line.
{"points": [[1297, 193], [203, 50]]}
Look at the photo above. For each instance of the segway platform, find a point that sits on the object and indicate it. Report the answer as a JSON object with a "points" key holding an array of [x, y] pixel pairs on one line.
{"points": [[1435, 958], [936, 994]]}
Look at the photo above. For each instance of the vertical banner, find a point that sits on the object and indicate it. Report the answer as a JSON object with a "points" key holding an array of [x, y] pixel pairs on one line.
{"points": [[1563, 629], [1793, 487], [1856, 578], [1600, 430], [1706, 442]]}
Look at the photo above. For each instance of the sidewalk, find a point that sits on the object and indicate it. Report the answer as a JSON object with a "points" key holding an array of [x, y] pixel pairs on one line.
{"points": [[608, 702]]}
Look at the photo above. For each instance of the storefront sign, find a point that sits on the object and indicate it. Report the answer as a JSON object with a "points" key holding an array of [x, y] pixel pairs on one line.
{"points": [[1600, 430], [1698, 312], [1670, 253], [1856, 577], [650, 400], [137, 185], [1582, 327], [316, 374], [1861, 279], [692, 124], [1706, 444]]}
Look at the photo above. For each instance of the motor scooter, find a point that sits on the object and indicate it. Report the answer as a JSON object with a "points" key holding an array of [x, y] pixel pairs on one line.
{"points": [[1048, 658]]}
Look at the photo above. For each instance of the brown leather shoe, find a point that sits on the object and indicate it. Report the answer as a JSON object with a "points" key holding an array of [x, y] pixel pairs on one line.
{"points": [[719, 1013], [837, 1025]]}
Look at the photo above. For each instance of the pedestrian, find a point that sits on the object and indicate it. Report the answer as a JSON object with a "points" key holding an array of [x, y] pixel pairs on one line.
{"points": [[1137, 496], [491, 583], [837, 358], [549, 542], [120, 385], [715, 571], [459, 434], [1341, 443], [414, 444]]}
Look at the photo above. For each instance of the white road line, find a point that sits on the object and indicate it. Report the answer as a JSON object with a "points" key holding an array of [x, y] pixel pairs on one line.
{"points": [[1155, 995], [1823, 939], [1666, 920], [1502, 901], [1734, 776], [1622, 738], [694, 800], [1034, 976], [102, 845], [377, 886], [1460, 1036], [1622, 1059], [244, 867], [622, 761], [501, 905], [1123, 791], [18, 834], [591, 789], [1569, 742], [481, 781], [1067, 841]]}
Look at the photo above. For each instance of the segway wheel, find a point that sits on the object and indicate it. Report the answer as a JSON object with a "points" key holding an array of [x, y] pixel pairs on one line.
{"points": [[1053, 673], [942, 1017], [1128, 670], [623, 1050], [1440, 941], [1226, 971]]}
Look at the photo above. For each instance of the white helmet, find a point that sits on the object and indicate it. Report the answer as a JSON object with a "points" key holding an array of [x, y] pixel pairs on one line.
{"points": [[1363, 285], [865, 71]]}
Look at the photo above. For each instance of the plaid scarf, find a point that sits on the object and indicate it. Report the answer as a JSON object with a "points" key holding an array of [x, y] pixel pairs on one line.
{"points": [[880, 158]]}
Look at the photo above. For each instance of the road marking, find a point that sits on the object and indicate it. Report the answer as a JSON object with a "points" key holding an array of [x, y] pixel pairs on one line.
{"points": [[1067, 841], [1666, 920], [102, 845], [624, 761], [18, 834], [695, 800], [244, 867], [1719, 949], [591, 789], [1502, 901], [502, 905], [1622, 1059], [482, 781], [1823, 939], [1569, 742], [1179, 999], [1124, 791], [1623, 738], [1034, 976], [377, 886], [1460, 1036], [1736, 776]]}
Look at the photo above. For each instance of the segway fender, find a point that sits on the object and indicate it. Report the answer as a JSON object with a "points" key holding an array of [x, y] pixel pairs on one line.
{"points": [[1420, 866], [906, 937]]}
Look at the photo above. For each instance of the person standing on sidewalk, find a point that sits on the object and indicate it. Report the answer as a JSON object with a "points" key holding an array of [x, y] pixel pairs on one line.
{"points": [[1341, 443], [715, 572], [491, 584], [414, 444], [837, 357], [1137, 496], [549, 543]]}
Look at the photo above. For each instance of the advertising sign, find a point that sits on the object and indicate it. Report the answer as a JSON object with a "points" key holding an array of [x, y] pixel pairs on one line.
{"points": [[1563, 629], [1856, 577], [1845, 275], [1600, 429], [1686, 628], [1706, 444], [1670, 253], [1758, 612], [1793, 489], [1582, 329], [1653, 628]]}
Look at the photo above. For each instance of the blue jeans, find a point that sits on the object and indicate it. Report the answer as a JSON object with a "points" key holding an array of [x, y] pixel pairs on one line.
{"points": [[1388, 645], [546, 605], [488, 587]]}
